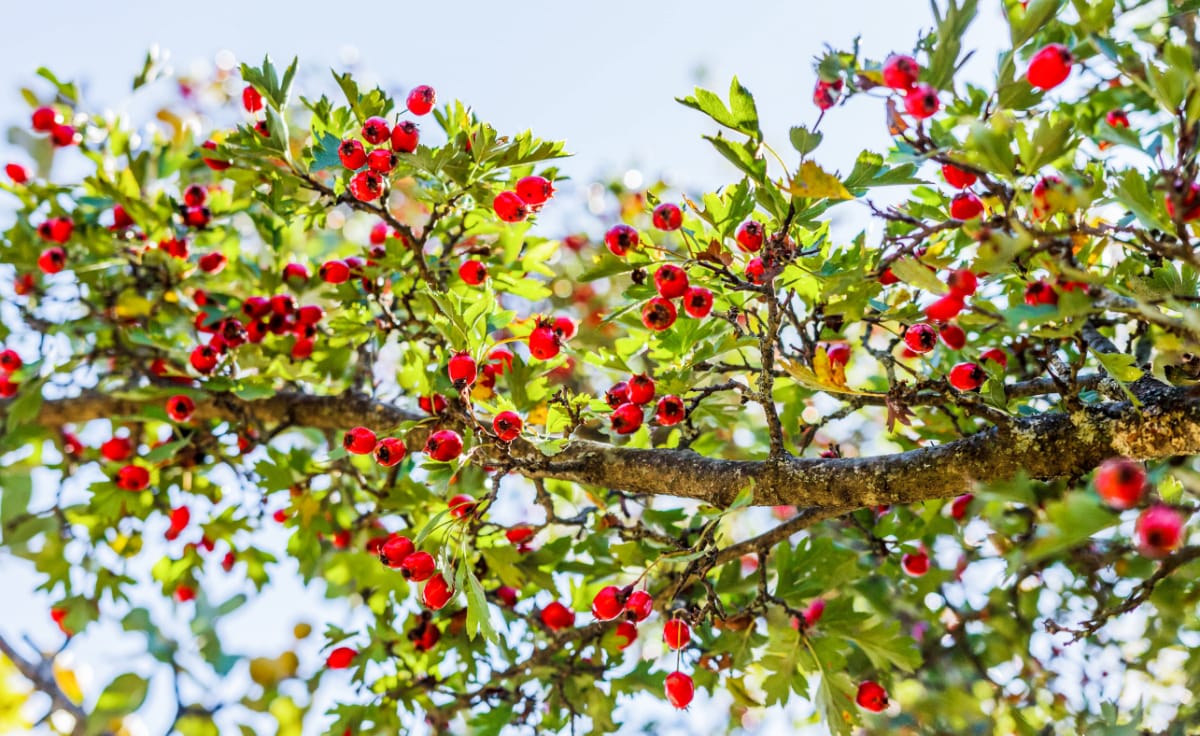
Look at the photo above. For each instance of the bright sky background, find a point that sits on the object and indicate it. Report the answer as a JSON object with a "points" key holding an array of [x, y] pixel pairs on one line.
{"points": [[602, 76]]}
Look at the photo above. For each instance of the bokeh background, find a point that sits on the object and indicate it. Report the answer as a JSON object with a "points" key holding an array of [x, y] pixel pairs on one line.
{"points": [[601, 76]]}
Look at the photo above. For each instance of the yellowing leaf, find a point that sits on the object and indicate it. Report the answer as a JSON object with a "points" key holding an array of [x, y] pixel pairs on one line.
{"points": [[538, 415], [479, 392], [826, 371], [67, 682], [813, 182], [805, 376], [132, 304]]}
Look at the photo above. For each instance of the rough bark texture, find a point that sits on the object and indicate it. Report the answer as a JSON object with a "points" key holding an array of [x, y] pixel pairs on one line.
{"points": [[1052, 445]]}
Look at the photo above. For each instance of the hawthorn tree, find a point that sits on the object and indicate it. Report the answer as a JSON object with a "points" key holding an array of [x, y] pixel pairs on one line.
{"points": [[533, 461]]}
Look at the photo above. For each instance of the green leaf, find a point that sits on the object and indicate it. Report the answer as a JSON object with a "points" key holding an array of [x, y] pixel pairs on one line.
{"points": [[1120, 366], [743, 117], [478, 613], [16, 490], [1023, 24], [911, 271], [805, 141], [1069, 522], [742, 155], [947, 45], [23, 409], [123, 695]]}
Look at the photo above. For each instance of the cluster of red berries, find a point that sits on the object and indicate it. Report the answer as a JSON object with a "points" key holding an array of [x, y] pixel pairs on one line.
{"points": [[399, 553], [1122, 484], [637, 605], [900, 73], [627, 399], [372, 166], [50, 121], [10, 363], [548, 336], [252, 101], [530, 194]]}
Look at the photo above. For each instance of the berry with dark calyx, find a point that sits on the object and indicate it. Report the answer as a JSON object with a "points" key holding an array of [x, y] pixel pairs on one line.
{"points": [[340, 658], [444, 445], [670, 411], [23, 284], [608, 603], [543, 341], [953, 337], [956, 177], [10, 361], [296, 275], [962, 281], [920, 338], [461, 506], [945, 309], [283, 304], [204, 358], [251, 99], [641, 389], [132, 478], [213, 262], [838, 353], [116, 449], [180, 408], [967, 376], [359, 441], [959, 506], [626, 418], [825, 94], [1117, 119], [670, 281], [52, 260], [507, 425], [352, 154], [871, 696], [437, 593], [64, 135], [462, 370], [915, 564], [46, 119], [697, 302], [756, 270], [1120, 482], [1040, 292], [676, 634], [366, 185], [418, 567], [405, 137], [381, 160], [638, 605], [667, 217], [1159, 531], [966, 206], [900, 72], [395, 550], [256, 307], [421, 100], [1050, 66], [472, 273], [215, 164], [749, 236], [17, 173], [507, 595], [996, 355], [564, 327], [509, 207], [680, 689], [309, 314], [658, 314], [174, 247], [535, 190], [375, 130], [56, 229], [620, 239], [334, 272], [390, 451], [556, 616], [617, 395], [435, 404], [921, 101], [626, 633]]}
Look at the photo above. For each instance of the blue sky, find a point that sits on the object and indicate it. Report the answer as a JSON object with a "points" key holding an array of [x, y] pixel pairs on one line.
{"points": [[602, 76]]}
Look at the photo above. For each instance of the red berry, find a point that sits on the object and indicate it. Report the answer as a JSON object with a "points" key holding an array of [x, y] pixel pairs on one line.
{"points": [[507, 425], [620, 239], [626, 418], [915, 564], [184, 593], [1121, 482], [52, 260], [251, 99], [283, 304], [967, 376], [676, 634], [838, 353], [352, 154], [45, 119], [507, 595], [1040, 292], [543, 342], [461, 370], [670, 411], [959, 506], [174, 247], [953, 337], [309, 314], [756, 270], [296, 275], [871, 696], [944, 309], [359, 441], [379, 233], [962, 282], [900, 72], [180, 408], [966, 206], [667, 217], [179, 520], [340, 658], [509, 207], [520, 534], [10, 361], [995, 355], [444, 445], [641, 389], [617, 395], [697, 302], [421, 100], [472, 272], [888, 277], [204, 358], [212, 262], [8, 387], [921, 101], [418, 566], [1117, 119], [228, 561], [405, 137], [556, 616], [366, 185], [1159, 531], [256, 307], [435, 404], [375, 130], [535, 190], [17, 173], [57, 230], [680, 689], [215, 164], [381, 160], [395, 550], [956, 177], [389, 451], [639, 605], [116, 449], [132, 478], [608, 603], [564, 327], [658, 314], [1050, 66], [461, 506], [626, 633], [814, 611], [437, 593], [920, 338], [334, 272], [825, 94], [64, 135], [670, 281]]}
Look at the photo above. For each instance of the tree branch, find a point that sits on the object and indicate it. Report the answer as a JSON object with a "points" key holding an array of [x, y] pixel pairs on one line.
{"points": [[41, 675]]}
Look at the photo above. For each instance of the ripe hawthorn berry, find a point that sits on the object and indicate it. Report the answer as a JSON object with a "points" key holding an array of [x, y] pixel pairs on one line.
{"points": [[435, 404], [309, 314], [826, 93], [10, 361], [564, 327], [749, 236], [341, 658], [965, 206], [421, 99], [838, 353], [626, 633], [375, 130], [556, 616], [1040, 292], [64, 135], [680, 689], [915, 564], [967, 376], [1190, 201], [52, 260], [334, 272], [132, 478], [658, 314], [920, 338], [17, 173], [46, 119], [296, 275], [507, 595], [180, 408], [472, 272], [509, 207], [1159, 531], [535, 190], [215, 164], [921, 101], [444, 445], [959, 506], [1117, 118], [437, 593], [204, 358], [352, 154], [252, 100], [641, 389], [620, 239], [8, 387], [667, 217], [405, 137], [626, 419], [697, 302], [608, 603], [174, 247], [543, 341], [462, 370], [617, 395], [520, 534], [390, 451], [638, 605], [359, 441], [184, 593], [116, 449], [507, 425], [956, 177], [1120, 482], [256, 307], [461, 506], [381, 160], [395, 550], [213, 262], [670, 411], [813, 612], [945, 308], [900, 72], [366, 185], [962, 281], [418, 567], [953, 337], [283, 305], [676, 634], [871, 696], [670, 281], [1050, 66], [996, 355]]}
